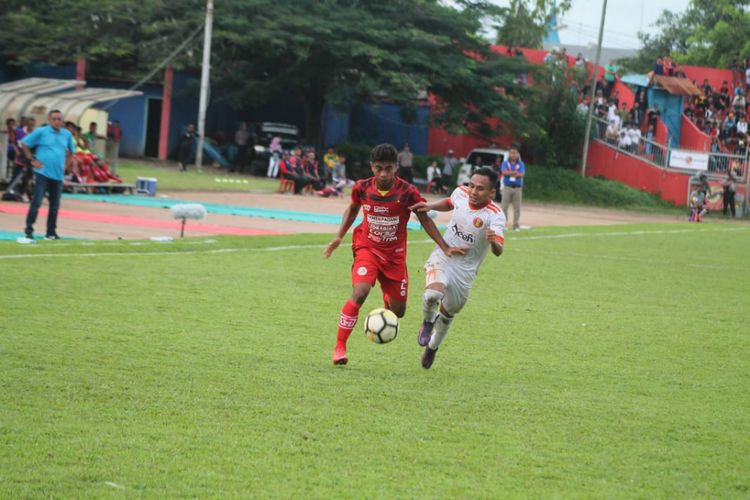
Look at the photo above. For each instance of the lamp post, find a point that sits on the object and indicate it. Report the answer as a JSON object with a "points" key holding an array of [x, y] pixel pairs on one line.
{"points": [[593, 92], [205, 82]]}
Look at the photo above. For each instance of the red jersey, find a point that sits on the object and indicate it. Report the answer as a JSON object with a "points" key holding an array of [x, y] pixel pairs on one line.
{"points": [[385, 216]]}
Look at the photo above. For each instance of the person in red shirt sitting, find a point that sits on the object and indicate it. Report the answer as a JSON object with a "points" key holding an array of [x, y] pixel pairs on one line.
{"points": [[379, 242]]}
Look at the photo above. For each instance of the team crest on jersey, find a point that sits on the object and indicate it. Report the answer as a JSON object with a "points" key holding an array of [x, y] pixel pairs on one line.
{"points": [[478, 222], [362, 271]]}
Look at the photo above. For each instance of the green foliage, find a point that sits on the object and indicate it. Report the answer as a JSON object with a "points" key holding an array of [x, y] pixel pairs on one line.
{"points": [[525, 23], [122, 39], [558, 132], [357, 159], [582, 366], [708, 33], [421, 162], [338, 52], [556, 185]]}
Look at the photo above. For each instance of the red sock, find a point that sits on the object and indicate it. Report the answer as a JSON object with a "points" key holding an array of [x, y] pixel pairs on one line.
{"points": [[349, 316]]}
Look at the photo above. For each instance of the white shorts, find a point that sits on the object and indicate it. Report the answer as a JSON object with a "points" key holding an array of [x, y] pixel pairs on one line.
{"points": [[439, 269]]}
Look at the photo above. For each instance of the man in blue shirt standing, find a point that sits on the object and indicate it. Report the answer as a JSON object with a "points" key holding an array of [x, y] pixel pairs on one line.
{"points": [[53, 147], [513, 171]]}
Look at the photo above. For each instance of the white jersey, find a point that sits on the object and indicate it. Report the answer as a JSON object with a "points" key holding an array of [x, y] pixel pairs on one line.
{"points": [[468, 229]]}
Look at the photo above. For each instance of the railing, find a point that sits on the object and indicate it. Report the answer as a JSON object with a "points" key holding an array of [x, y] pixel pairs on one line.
{"points": [[646, 149], [658, 155]]}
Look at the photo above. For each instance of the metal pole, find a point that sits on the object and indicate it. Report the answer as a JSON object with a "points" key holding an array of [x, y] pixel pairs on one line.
{"points": [[593, 92], [205, 73]]}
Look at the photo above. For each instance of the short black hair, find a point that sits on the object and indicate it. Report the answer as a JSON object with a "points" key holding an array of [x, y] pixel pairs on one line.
{"points": [[489, 173], [51, 112], [384, 153]]}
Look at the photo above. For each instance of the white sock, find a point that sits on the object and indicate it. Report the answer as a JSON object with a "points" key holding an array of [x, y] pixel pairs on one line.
{"points": [[430, 303], [442, 324]]}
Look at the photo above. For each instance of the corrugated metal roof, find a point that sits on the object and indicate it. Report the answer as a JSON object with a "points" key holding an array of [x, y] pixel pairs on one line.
{"points": [[36, 96], [677, 86]]}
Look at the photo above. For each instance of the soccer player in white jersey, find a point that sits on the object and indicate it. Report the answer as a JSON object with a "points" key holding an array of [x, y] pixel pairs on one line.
{"points": [[478, 224]]}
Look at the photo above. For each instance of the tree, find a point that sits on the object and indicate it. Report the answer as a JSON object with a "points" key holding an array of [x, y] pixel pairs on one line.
{"points": [[122, 39], [525, 23], [337, 52], [708, 33], [343, 52], [557, 136]]}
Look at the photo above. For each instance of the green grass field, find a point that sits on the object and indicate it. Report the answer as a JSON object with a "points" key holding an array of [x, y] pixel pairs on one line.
{"points": [[589, 362]]}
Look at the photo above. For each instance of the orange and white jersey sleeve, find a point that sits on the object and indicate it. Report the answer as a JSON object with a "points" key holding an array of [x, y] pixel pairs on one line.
{"points": [[497, 224]]}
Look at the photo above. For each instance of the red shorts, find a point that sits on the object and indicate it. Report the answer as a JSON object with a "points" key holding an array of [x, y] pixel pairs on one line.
{"points": [[371, 265]]}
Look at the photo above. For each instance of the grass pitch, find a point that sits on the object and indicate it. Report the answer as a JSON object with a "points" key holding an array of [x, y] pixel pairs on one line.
{"points": [[589, 362]]}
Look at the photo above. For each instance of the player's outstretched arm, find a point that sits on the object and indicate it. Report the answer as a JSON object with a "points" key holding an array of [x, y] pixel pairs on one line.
{"points": [[443, 205], [350, 215], [496, 246], [431, 229]]}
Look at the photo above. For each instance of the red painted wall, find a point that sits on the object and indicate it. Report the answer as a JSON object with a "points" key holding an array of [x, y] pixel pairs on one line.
{"points": [[626, 93], [439, 142], [692, 137], [608, 163], [715, 76], [662, 133]]}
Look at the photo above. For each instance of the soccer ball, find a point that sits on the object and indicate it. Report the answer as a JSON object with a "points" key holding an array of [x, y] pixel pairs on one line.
{"points": [[381, 326]]}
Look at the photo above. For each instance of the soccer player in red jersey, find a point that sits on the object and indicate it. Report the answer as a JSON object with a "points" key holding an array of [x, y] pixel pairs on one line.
{"points": [[379, 242]]}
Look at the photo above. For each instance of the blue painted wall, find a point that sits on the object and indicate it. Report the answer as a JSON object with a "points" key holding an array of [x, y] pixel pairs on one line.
{"points": [[378, 124], [670, 107]]}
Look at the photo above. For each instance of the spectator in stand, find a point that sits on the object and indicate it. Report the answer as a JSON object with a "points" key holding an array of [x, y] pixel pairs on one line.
{"points": [[668, 66], [610, 75], [728, 126], [623, 141], [656, 70], [405, 161], [583, 107], [653, 115], [650, 137], [623, 113], [724, 97], [736, 70], [741, 126], [679, 73], [739, 103], [185, 147], [747, 75], [706, 87], [635, 138], [450, 162]]}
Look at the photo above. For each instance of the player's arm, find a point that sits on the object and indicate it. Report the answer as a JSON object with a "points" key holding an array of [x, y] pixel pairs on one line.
{"points": [[495, 243], [431, 229], [444, 205], [28, 154], [350, 215]]}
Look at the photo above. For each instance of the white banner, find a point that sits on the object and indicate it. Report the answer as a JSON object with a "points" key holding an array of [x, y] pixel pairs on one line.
{"points": [[682, 158]]}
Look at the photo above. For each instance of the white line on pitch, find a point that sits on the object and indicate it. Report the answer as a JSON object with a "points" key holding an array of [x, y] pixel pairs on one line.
{"points": [[321, 246]]}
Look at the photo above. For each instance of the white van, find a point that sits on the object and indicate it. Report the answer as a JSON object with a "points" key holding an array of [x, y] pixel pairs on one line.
{"points": [[489, 158]]}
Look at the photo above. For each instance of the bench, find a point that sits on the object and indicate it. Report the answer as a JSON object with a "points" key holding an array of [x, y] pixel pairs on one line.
{"points": [[107, 186]]}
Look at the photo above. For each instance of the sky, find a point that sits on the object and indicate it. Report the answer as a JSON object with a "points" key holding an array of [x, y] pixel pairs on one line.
{"points": [[624, 19]]}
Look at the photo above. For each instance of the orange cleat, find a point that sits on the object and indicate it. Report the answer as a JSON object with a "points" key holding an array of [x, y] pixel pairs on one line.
{"points": [[339, 355]]}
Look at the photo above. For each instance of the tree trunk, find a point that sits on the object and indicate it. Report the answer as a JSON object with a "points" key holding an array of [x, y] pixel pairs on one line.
{"points": [[314, 105]]}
